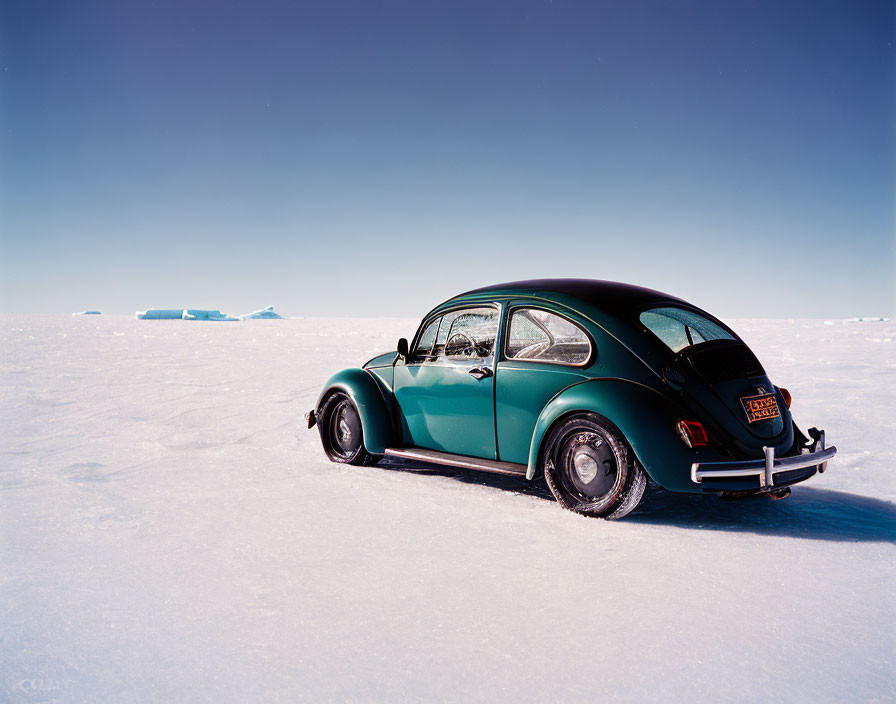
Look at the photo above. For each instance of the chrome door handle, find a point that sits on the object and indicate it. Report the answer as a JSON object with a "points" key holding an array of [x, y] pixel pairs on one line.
{"points": [[480, 372]]}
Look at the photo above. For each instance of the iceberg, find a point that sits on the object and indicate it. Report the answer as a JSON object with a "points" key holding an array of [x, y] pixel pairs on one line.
{"points": [[200, 314], [193, 314], [181, 314], [88, 312], [160, 314], [263, 314]]}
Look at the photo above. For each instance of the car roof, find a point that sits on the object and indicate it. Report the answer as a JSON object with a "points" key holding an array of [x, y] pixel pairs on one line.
{"points": [[610, 296]]}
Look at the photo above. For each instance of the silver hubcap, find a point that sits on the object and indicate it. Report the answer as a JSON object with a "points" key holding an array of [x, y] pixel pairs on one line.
{"points": [[589, 466], [585, 466], [345, 433]]}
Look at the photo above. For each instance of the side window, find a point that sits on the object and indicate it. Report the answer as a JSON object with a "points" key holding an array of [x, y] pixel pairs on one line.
{"points": [[424, 345], [540, 336], [671, 331], [467, 335]]}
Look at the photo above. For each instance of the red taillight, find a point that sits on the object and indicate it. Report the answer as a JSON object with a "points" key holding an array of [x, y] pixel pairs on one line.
{"points": [[693, 433], [785, 394]]}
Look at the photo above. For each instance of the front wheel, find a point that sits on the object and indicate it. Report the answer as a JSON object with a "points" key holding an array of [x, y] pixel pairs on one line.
{"points": [[590, 469], [340, 430]]}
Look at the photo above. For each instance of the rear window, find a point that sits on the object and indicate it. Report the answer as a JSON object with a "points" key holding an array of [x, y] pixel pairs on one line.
{"points": [[679, 328]]}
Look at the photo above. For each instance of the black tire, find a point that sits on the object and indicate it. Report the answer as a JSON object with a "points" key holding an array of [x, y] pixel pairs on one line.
{"points": [[590, 469], [340, 429]]}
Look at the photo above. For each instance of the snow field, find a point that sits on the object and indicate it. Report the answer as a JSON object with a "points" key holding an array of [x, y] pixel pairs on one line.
{"points": [[170, 531]]}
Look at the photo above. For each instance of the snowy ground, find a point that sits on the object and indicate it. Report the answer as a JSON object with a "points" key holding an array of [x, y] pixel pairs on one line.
{"points": [[169, 532]]}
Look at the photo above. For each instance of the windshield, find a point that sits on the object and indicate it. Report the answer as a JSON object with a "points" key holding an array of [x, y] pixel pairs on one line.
{"points": [[679, 328]]}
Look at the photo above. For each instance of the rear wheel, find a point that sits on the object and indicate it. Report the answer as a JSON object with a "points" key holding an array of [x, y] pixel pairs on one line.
{"points": [[590, 469], [341, 432]]}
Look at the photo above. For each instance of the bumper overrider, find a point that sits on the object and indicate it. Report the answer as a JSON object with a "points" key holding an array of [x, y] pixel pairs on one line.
{"points": [[813, 458]]}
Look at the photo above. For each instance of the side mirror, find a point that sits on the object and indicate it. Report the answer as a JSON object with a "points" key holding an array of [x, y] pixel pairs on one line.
{"points": [[402, 347]]}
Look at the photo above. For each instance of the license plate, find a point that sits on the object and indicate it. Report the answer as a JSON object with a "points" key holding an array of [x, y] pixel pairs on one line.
{"points": [[761, 407]]}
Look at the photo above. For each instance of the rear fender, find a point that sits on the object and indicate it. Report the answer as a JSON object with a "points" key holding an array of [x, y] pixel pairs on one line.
{"points": [[644, 416], [363, 389]]}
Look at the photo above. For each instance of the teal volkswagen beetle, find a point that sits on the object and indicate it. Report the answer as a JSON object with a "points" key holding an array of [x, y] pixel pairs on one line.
{"points": [[596, 386]]}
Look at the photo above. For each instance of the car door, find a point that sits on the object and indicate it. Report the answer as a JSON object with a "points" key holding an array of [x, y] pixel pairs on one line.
{"points": [[544, 352], [445, 389]]}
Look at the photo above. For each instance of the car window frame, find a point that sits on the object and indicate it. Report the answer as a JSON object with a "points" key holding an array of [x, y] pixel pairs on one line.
{"points": [[423, 328], [435, 360], [592, 347]]}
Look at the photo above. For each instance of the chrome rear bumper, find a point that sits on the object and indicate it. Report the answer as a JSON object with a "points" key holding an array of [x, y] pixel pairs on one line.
{"points": [[815, 454]]}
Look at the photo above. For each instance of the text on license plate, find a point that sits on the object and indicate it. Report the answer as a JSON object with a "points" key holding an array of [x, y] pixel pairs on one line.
{"points": [[762, 407]]}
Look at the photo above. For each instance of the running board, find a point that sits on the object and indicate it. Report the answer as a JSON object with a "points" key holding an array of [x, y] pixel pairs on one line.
{"points": [[423, 455]]}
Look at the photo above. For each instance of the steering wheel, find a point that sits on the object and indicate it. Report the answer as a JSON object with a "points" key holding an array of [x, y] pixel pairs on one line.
{"points": [[460, 344]]}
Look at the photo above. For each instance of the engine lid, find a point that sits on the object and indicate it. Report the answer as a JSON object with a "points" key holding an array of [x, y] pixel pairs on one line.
{"points": [[737, 379]]}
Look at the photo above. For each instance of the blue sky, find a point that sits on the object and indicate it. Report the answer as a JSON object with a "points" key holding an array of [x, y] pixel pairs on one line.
{"points": [[373, 158]]}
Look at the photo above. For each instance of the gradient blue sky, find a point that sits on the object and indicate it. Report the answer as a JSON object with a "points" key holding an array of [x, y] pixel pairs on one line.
{"points": [[365, 158]]}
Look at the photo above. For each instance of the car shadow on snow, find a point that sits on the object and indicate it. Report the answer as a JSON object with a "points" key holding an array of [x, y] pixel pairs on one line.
{"points": [[815, 514]]}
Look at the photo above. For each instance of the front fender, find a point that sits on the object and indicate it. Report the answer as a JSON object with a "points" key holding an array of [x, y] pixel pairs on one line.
{"points": [[362, 388], [643, 415]]}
